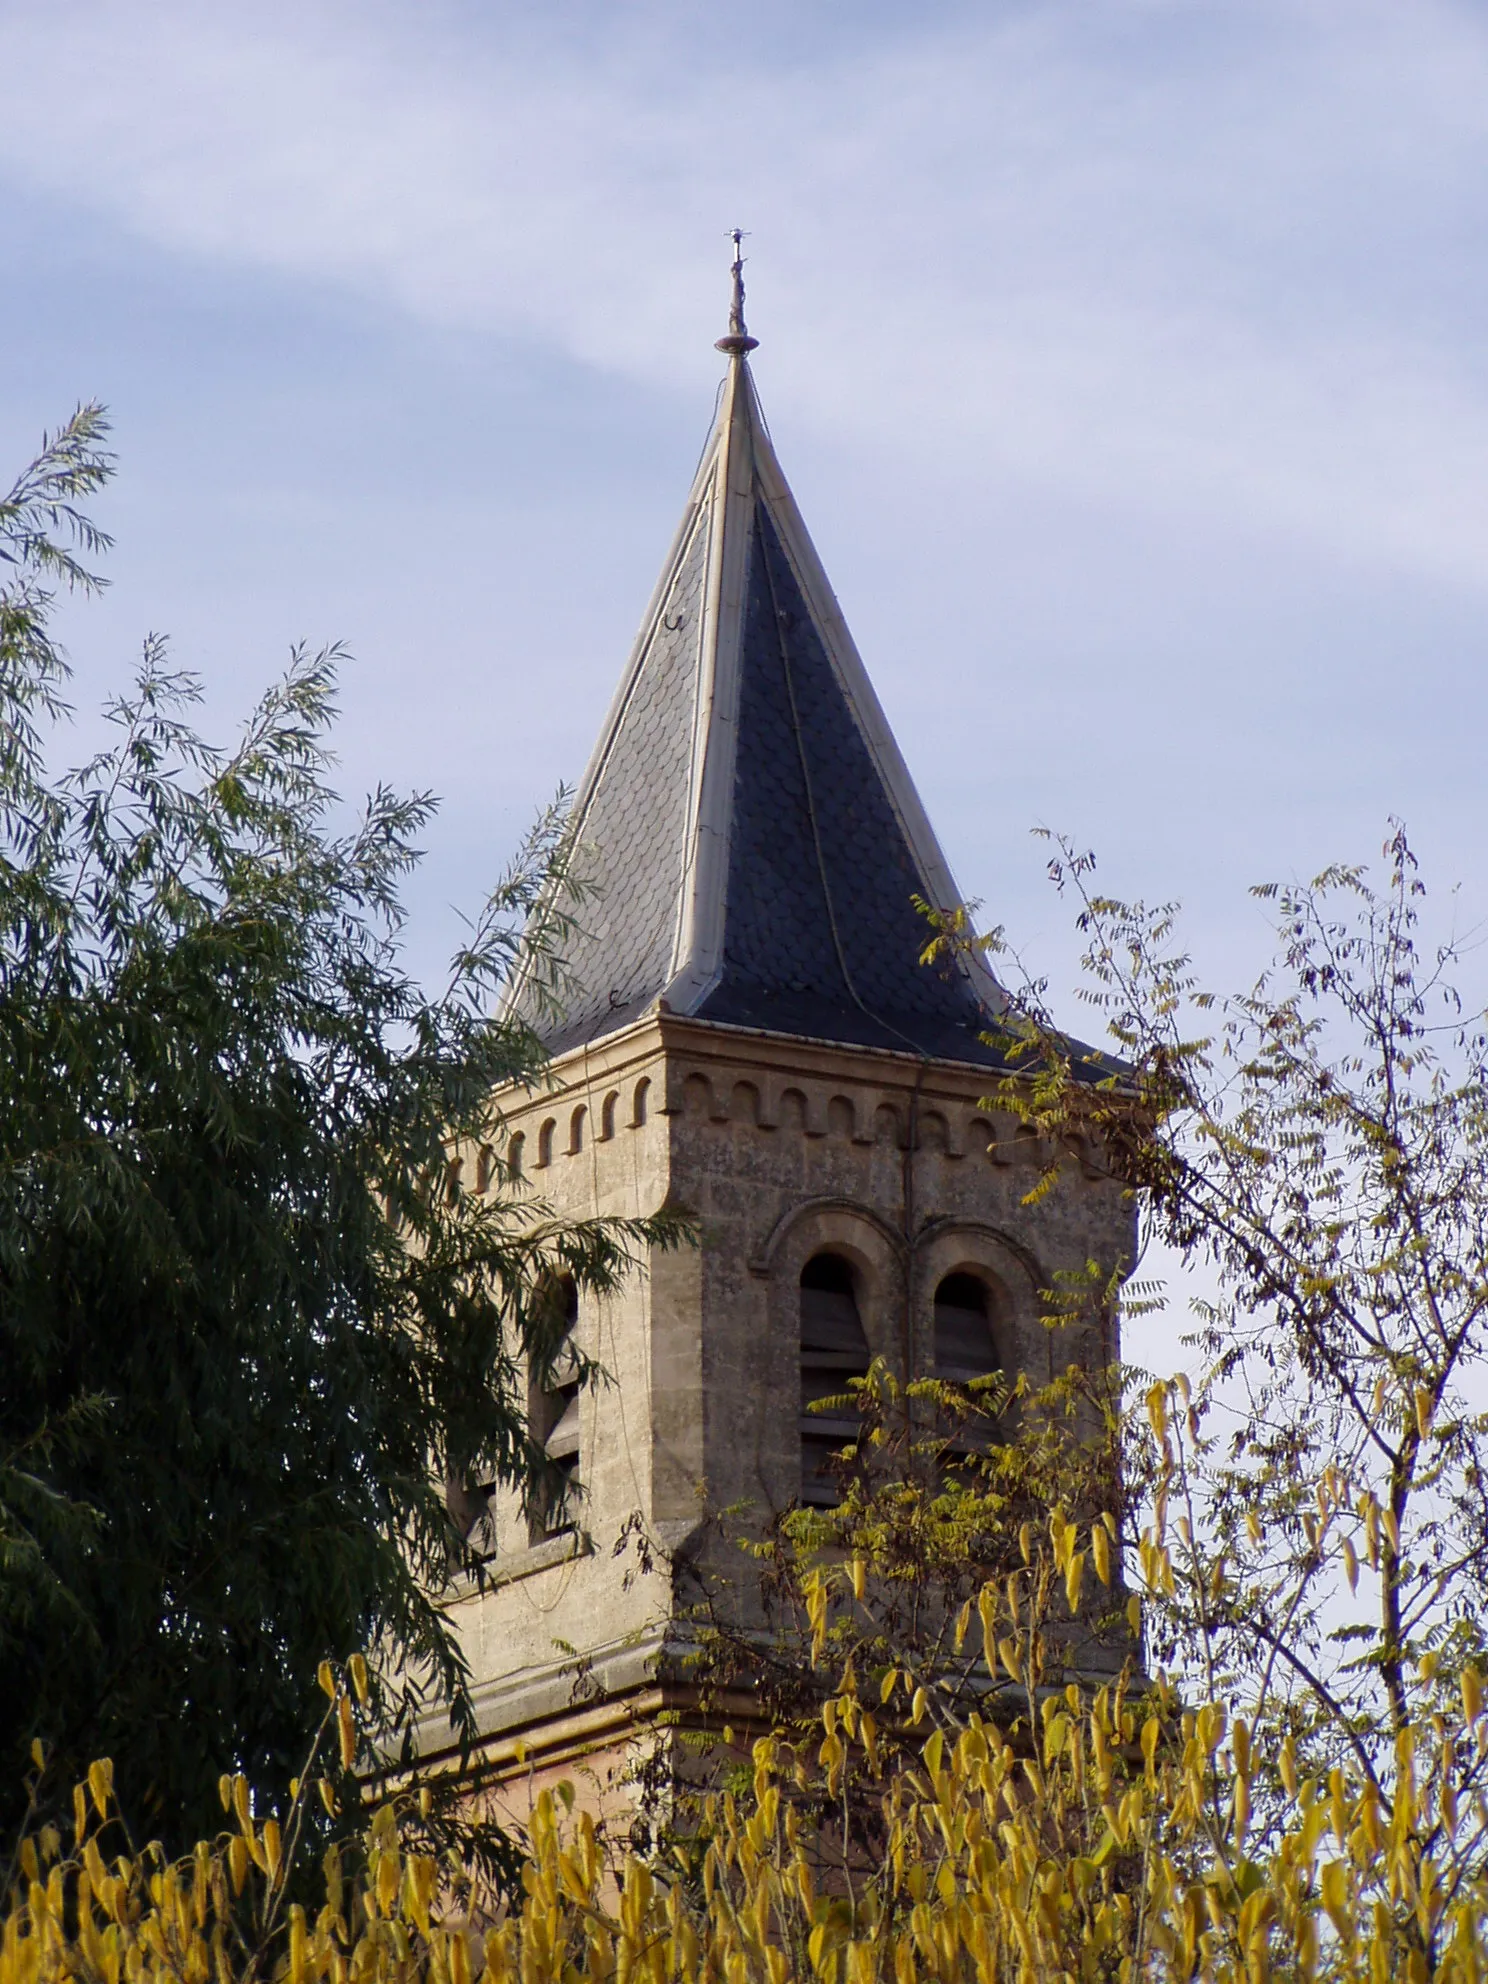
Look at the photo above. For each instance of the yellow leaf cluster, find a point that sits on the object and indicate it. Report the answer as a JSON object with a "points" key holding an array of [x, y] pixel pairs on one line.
{"points": [[1110, 1843]]}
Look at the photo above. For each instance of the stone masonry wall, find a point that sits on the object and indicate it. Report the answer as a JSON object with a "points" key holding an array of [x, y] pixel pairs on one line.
{"points": [[779, 1148]]}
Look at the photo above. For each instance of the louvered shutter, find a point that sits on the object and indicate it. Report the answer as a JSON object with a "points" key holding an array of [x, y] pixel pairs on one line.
{"points": [[964, 1345], [833, 1351]]}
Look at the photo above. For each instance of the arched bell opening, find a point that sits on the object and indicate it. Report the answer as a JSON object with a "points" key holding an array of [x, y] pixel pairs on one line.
{"points": [[834, 1350], [965, 1342], [965, 1347]]}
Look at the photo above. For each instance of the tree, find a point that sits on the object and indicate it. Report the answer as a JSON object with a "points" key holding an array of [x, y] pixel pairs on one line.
{"points": [[952, 1499], [251, 1320], [1303, 1521], [1307, 1515], [1092, 1850]]}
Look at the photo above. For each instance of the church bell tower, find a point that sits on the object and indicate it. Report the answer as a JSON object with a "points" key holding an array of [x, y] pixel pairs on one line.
{"points": [[751, 1037]]}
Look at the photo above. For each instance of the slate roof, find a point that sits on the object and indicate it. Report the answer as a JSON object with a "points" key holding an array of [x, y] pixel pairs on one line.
{"points": [[753, 837]]}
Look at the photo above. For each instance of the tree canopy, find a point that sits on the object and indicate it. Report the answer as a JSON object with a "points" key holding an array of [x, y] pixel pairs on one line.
{"points": [[1306, 1511], [251, 1321]]}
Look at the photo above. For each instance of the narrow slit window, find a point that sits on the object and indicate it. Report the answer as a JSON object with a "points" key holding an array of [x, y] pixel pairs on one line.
{"points": [[555, 1423], [834, 1350], [471, 1513]]}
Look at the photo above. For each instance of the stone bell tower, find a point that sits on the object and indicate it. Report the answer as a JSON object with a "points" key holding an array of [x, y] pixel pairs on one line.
{"points": [[752, 1038]]}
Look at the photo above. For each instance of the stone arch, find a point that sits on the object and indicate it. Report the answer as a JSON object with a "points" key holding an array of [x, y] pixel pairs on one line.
{"points": [[842, 1117], [697, 1096], [874, 1254], [640, 1103], [576, 1125], [607, 1115], [516, 1151], [485, 1165], [545, 1143], [865, 1239], [1011, 1278], [825, 1216]]}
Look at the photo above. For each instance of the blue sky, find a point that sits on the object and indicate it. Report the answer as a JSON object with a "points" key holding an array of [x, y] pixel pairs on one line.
{"points": [[1127, 358]]}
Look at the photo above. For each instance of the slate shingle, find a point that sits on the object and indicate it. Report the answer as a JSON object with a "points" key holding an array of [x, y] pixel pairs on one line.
{"points": [[820, 936], [633, 829], [821, 933]]}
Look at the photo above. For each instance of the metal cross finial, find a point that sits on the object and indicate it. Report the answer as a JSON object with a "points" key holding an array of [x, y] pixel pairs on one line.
{"points": [[736, 270], [738, 340]]}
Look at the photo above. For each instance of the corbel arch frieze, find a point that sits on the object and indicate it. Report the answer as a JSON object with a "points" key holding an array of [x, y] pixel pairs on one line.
{"points": [[693, 1091], [775, 1101], [794, 1104], [939, 1130]]}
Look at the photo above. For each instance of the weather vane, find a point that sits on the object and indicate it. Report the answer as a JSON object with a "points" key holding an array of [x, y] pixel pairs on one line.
{"points": [[738, 340]]}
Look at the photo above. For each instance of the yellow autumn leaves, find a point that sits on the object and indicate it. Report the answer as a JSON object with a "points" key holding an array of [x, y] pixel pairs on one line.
{"points": [[1054, 1833]]}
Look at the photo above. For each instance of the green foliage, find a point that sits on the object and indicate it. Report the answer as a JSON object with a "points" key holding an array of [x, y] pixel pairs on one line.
{"points": [[949, 1498], [1310, 1508], [1108, 1841], [250, 1324]]}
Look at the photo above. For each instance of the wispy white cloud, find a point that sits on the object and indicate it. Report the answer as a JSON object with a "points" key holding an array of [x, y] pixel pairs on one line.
{"points": [[1188, 257]]}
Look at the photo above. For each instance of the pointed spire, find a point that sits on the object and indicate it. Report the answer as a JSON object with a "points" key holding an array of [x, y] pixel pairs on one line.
{"points": [[753, 836], [738, 340]]}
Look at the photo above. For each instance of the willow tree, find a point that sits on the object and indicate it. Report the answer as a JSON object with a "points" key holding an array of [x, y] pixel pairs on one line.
{"points": [[250, 1322]]}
